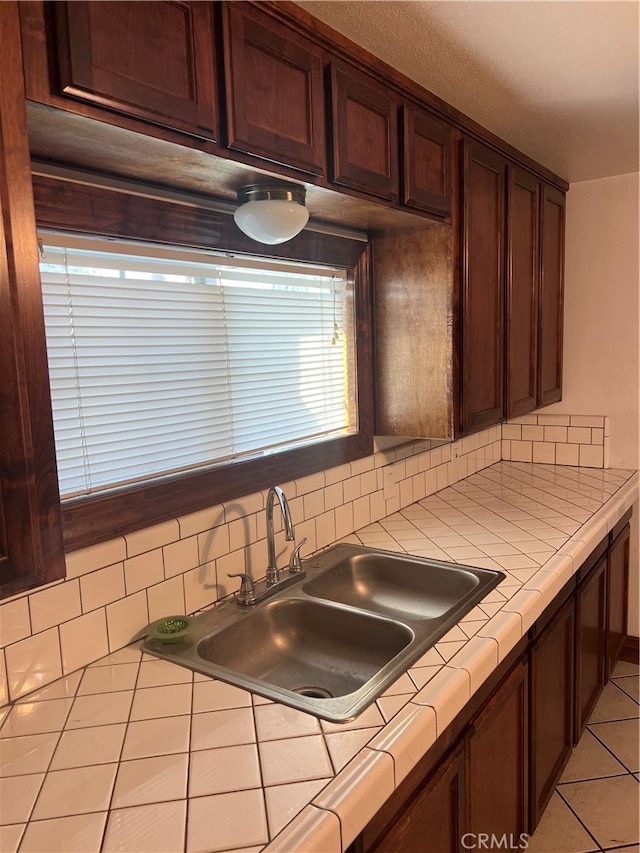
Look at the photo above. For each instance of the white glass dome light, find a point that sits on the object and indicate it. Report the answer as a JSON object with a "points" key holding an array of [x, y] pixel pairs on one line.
{"points": [[271, 213]]}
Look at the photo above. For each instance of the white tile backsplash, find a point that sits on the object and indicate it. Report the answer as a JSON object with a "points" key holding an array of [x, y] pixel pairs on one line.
{"points": [[182, 565]]}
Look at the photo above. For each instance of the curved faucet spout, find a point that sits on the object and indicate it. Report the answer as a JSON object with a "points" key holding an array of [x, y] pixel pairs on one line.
{"points": [[276, 492]]}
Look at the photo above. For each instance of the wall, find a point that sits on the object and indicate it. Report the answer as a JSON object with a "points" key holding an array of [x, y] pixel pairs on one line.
{"points": [[601, 324]]}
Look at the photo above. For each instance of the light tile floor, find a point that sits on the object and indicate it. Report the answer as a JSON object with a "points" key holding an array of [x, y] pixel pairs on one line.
{"points": [[596, 804]]}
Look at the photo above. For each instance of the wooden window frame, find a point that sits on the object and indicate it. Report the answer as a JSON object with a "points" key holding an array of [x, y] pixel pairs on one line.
{"points": [[89, 209]]}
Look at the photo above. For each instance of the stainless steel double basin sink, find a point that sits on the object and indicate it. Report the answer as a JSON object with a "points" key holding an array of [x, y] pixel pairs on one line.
{"points": [[331, 643]]}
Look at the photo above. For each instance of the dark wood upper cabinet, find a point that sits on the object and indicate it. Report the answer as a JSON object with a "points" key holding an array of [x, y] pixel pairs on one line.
{"points": [[426, 161], [482, 292], [364, 132], [551, 296], [153, 61], [522, 292], [274, 90], [617, 596], [497, 760], [31, 548]]}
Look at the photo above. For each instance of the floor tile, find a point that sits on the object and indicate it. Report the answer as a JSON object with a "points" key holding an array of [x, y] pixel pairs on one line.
{"points": [[73, 792], [146, 738], [614, 704], [151, 780], [560, 831], [156, 828], [75, 834], [296, 760], [285, 801], [634, 848], [607, 807], [591, 760], [220, 771], [85, 747], [630, 684], [226, 821], [622, 739], [623, 667]]}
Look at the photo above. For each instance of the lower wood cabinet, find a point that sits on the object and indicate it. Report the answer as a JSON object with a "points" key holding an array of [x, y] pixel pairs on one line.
{"points": [[432, 820], [552, 686], [497, 761], [591, 635], [501, 759], [617, 595]]}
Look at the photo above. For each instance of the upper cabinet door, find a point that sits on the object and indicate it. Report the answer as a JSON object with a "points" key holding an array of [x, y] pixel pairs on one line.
{"points": [[522, 293], [551, 296], [152, 60], [274, 90], [364, 133], [483, 194], [426, 157]]}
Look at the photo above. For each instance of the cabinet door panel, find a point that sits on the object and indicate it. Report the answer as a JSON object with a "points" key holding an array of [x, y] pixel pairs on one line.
{"points": [[482, 287], [590, 643], [433, 821], [274, 90], [618, 583], [522, 293], [152, 60], [551, 296], [497, 766], [365, 134], [552, 702], [426, 161]]}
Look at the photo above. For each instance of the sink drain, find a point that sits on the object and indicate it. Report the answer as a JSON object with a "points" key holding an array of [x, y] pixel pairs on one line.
{"points": [[314, 692]]}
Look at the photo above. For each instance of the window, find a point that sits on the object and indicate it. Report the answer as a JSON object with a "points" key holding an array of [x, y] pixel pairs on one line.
{"points": [[116, 221], [164, 360]]}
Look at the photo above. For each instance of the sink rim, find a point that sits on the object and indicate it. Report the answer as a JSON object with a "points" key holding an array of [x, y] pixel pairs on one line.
{"points": [[426, 633]]}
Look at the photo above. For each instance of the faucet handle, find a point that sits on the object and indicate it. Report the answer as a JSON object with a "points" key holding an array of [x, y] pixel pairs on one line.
{"points": [[294, 561], [247, 594]]}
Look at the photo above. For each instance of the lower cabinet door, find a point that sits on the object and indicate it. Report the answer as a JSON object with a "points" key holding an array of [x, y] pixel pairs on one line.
{"points": [[590, 643], [551, 690], [617, 593], [497, 763], [433, 820]]}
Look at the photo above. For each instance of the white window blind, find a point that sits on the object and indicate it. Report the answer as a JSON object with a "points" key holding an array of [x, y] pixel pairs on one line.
{"points": [[163, 360]]}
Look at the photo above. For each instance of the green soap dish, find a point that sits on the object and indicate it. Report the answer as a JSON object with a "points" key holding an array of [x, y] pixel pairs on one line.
{"points": [[171, 629]]}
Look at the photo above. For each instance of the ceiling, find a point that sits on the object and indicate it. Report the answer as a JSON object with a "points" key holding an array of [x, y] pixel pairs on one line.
{"points": [[558, 79]]}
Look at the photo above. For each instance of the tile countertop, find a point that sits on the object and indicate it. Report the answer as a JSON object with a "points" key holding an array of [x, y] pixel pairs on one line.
{"points": [[135, 754]]}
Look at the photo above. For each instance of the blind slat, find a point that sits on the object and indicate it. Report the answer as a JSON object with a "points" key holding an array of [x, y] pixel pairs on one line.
{"points": [[163, 359]]}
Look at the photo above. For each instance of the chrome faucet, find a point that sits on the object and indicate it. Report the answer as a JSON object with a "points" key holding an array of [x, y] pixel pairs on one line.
{"points": [[273, 573]]}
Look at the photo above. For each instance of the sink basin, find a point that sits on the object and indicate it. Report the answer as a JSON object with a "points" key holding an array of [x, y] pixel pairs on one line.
{"points": [[332, 641], [394, 584], [312, 649]]}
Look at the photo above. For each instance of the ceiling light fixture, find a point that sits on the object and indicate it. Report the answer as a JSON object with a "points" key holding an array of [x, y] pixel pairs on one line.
{"points": [[271, 213]]}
